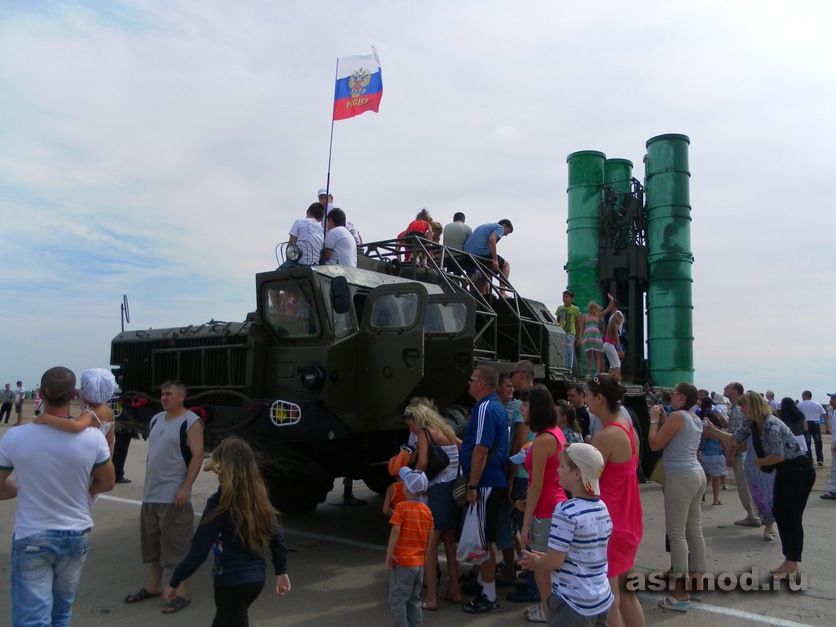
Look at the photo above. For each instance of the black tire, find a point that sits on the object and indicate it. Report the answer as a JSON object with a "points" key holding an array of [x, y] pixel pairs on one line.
{"points": [[295, 496], [377, 479]]}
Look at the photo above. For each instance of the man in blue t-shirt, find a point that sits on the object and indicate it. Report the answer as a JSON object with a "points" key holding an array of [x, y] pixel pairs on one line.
{"points": [[484, 457], [482, 244]]}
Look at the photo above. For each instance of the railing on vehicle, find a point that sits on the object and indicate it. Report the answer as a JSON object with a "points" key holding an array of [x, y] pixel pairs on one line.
{"points": [[507, 328]]}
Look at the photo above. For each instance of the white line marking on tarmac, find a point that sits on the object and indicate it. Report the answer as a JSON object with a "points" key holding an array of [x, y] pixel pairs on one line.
{"points": [[695, 605], [727, 611], [289, 532]]}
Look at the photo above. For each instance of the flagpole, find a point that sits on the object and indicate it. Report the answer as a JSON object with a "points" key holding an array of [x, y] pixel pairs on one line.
{"points": [[330, 148]]}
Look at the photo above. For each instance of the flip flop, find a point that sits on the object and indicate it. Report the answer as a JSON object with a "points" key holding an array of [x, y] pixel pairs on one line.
{"points": [[176, 604], [141, 595], [424, 606], [670, 603], [451, 600]]}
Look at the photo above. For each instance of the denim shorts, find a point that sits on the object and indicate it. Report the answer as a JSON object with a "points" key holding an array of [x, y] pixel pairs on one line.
{"points": [[46, 571], [445, 511]]}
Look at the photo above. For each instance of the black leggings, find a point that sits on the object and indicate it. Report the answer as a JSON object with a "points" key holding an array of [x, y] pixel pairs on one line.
{"points": [[794, 478], [232, 602]]}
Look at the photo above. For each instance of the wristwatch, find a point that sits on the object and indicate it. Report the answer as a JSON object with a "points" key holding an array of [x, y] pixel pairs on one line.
{"points": [[472, 487]]}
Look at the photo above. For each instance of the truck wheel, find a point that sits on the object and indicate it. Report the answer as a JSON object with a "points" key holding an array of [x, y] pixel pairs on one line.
{"points": [[297, 497], [377, 479]]}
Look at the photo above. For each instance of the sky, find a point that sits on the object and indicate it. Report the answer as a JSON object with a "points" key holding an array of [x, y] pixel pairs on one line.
{"points": [[162, 150]]}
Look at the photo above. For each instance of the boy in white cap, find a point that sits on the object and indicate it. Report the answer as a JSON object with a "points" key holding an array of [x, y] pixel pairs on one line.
{"points": [[577, 555], [409, 541]]}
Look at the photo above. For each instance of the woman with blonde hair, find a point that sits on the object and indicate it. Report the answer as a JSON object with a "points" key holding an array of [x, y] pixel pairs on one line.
{"points": [[777, 451], [241, 524], [430, 428], [592, 341]]}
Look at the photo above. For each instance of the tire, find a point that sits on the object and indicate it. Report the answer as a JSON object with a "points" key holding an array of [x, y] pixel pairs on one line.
{"points": [[295, 496], [377, 479]]}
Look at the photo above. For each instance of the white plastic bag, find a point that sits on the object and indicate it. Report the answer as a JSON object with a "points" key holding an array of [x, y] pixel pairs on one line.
{"points": [[472, 547]]}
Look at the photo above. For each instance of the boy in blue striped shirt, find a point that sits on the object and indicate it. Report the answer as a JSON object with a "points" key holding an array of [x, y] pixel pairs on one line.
{"points": [[577, 555]]}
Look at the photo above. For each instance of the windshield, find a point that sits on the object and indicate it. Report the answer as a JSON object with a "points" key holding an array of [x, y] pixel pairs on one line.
{"points": [[446, 318], [287, 308]]}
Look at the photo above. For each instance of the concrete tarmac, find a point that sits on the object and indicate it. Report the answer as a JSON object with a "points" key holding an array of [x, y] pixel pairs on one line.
{"points": [[338, 576]]}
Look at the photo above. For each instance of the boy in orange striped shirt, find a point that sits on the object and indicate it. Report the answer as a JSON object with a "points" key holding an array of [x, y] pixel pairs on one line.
{"points": [[409, 542]]}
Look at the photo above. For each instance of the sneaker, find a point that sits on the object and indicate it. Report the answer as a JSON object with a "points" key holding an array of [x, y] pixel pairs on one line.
{"points": [[821, 463], [481, 605], [748, 522], [828, 495], [506, 582], [522, 596], [534, 614]]}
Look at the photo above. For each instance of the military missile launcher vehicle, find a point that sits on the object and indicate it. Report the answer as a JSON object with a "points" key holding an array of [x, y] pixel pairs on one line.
{"points": [[317, 377]]}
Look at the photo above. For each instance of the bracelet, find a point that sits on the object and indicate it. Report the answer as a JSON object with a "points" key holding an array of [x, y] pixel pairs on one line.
{"points": [[472, 487], [654, 422]]}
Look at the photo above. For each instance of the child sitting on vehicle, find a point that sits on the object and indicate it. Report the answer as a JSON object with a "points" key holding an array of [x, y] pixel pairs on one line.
{"points": [[577, 555], [409, 542]]}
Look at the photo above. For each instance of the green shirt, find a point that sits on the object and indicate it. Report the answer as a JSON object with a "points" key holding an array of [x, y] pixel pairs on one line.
{"points": [[568, 318]]}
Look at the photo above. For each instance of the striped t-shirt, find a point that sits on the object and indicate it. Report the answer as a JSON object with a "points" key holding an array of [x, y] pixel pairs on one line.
{"points": [[416, 523], [581, 528]]}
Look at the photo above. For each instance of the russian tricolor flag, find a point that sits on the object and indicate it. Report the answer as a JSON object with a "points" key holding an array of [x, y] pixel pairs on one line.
{"points": [[359, 86]]}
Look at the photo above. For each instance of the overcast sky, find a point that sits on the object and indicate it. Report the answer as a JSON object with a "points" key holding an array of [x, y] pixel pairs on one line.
{"points": [[162, 150]]}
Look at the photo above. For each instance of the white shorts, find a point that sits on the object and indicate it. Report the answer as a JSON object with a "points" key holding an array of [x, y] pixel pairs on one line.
{"points": [[612, 355]]}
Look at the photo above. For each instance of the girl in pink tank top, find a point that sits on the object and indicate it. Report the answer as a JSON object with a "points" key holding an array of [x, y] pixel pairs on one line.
{"points": [[619, 492]]}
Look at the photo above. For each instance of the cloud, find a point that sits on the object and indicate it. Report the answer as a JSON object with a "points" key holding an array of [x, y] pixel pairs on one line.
{"points": [[163, 150]]}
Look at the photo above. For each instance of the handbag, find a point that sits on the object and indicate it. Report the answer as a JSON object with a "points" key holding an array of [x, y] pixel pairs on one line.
{"points": [[658, 474], [437, 459], [460, 484]]}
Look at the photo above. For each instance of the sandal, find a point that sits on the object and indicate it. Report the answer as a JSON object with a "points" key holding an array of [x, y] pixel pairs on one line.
{"points": [[670, 603], [141, 595], [176, 604]]}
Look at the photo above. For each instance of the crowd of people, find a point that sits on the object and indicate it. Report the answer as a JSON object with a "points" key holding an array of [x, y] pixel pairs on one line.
{"points": [[553, 483]]}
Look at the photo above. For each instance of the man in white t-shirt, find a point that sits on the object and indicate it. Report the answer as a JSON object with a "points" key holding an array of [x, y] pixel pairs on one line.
{"points": [[339, 247], [52, 524], [813, 412], [307, 233], [20, 396]]}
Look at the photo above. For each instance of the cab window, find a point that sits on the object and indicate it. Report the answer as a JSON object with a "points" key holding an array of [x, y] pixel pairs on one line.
{"points": [[395, 311], [288, 310], [445, 318]]}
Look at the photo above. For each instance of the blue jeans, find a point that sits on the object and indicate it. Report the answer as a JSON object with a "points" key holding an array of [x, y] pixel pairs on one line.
{"points": [[570, 351], [814, 433], [405, 584], [46, 571]]}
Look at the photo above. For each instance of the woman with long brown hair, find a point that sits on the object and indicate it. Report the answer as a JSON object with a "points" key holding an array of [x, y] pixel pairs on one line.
{"points": [[240, 517], [678, 436]]}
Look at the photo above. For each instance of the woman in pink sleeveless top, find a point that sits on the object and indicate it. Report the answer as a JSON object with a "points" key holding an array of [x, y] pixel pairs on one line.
{"points": [[618, 444], [544, 491]]}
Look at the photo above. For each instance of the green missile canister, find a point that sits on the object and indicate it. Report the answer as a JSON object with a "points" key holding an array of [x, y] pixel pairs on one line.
{"points": [[670, 305], [586, 174]]}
